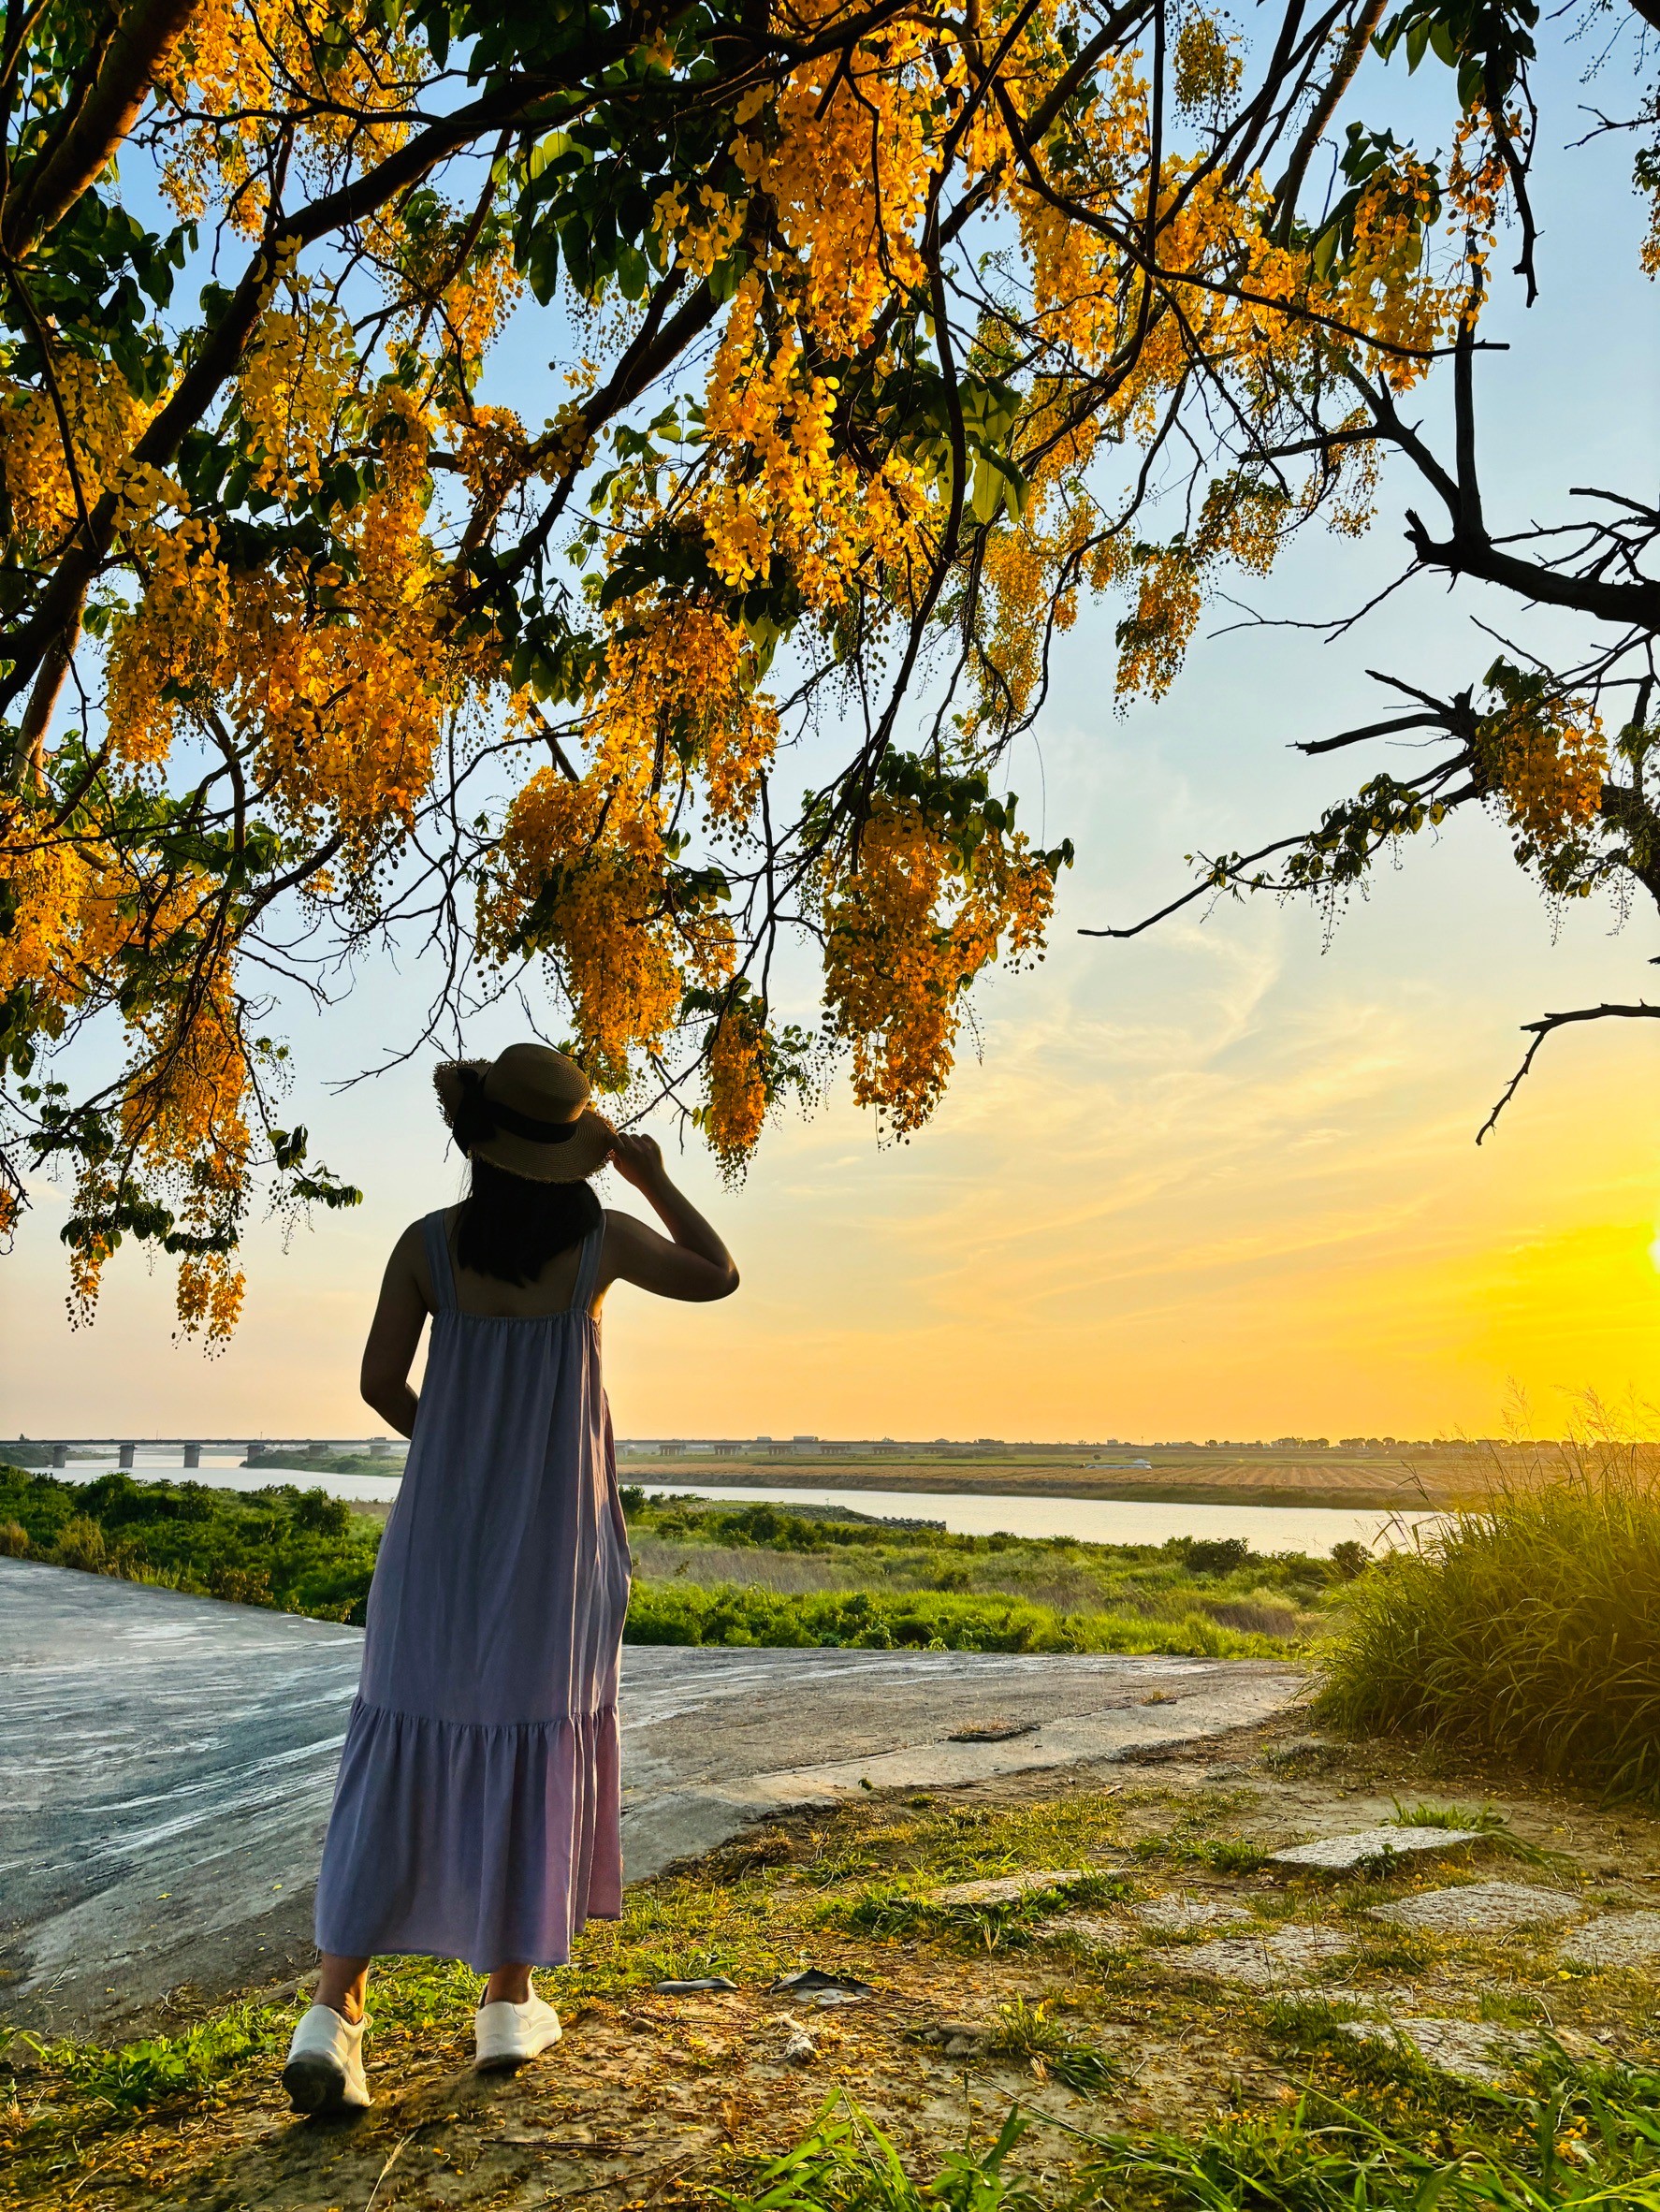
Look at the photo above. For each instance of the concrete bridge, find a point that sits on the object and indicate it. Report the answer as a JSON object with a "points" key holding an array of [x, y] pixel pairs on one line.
{"points": [[193, 1447]]}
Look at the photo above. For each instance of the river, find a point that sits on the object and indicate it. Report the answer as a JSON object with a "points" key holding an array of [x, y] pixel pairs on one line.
{"points": [[1313, 1529]]}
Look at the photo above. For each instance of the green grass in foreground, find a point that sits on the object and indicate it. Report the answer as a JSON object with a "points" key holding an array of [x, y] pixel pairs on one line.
{"points": [[1590, 2143], [1264, 2104], [713, 1572], [1528, 1628]]}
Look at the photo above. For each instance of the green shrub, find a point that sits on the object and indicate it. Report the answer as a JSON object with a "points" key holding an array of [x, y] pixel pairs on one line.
{"points": [[680, 1612], [1527, 1626], [81, 1544], [302, 1551], [1215, 1555]]}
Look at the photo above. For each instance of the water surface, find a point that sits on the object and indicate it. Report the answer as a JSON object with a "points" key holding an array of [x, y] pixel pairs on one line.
{"points": [[1313, 1529]]}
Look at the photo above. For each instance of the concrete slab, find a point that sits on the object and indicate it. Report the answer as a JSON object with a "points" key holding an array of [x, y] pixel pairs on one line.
{"points": [[167, 1763], [1468, 2050], [1282, 1960], [1617, 1939], [1347, 1854], [1481, 1908], [1095, 1930], [1008, 1889], [1180, 1912]]}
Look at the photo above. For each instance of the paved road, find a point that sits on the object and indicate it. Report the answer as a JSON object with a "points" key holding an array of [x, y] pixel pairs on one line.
{"points": [[165, 1764]]}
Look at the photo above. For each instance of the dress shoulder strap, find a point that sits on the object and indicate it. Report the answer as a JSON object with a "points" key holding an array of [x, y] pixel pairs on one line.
{"points": [[438, 1266], [588, 1269]]}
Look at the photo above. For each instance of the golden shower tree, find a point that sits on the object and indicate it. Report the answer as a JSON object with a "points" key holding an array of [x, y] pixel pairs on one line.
{"points": [[874, 329]]}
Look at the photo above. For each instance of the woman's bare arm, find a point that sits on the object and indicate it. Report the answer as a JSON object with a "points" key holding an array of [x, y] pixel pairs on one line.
{"points": [[691, 1262], [395, 1333]]}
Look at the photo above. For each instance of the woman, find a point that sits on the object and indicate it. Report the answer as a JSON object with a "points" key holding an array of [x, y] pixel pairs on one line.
{"points": [[478, 1807]]}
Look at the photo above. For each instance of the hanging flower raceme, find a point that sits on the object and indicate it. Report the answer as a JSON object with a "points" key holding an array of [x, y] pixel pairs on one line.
{"points": [[171, 1163], [680, 699], [1544, 758], [740, 1082], [586, 877], [941, 886]]}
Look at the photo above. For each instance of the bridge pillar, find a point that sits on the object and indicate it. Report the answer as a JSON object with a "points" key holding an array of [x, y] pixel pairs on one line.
{"points": [[60, 1455], [127, 1459], [193, 1455]]}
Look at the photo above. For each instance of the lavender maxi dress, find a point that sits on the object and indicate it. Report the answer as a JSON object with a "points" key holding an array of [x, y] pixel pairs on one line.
{"points": [[479, 1800]]}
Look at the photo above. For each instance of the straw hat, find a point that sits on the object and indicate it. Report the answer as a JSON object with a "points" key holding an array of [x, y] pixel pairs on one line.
{"points": [[527, 1111]]}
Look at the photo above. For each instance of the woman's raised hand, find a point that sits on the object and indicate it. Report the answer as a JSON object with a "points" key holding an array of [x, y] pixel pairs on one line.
{"points": [[690, 1262], [638, 1160]]}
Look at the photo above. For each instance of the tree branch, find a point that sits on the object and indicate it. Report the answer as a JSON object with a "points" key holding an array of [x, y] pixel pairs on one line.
{"points": [[1349, 61], [142, 39], [1232, 865], [1546, 1026]]}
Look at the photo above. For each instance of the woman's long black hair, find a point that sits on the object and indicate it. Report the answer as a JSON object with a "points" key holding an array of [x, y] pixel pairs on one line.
{"points": [[511, 1228]]}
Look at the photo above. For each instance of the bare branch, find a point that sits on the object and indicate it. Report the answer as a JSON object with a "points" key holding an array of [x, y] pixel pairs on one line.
{"points": [[1547, 1025]]}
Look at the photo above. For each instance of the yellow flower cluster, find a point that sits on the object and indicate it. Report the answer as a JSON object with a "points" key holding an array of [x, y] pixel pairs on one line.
{"points": [[1549, 759], [1153, 637], [703, 230], [906, 931], [736, 1093], [104, 419], [845, 165], [209, 1299], [1019, 572], [244, 69], [65, 924], [345, 680], [1207, 64], [301, 369], [578, 874], [679, 693], [183, 1118]]}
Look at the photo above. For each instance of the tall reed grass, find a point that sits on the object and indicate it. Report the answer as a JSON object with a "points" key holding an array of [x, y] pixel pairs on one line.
{"points": [[1530, 1625]]}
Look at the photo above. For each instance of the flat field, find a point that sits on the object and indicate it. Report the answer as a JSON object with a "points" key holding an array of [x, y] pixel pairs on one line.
{"points": [[1196, 1475]]}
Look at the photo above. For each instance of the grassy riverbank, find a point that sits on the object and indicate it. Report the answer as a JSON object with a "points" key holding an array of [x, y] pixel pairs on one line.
{"points": [[716, 1573], [1528, 1628], [1067, 2050]]}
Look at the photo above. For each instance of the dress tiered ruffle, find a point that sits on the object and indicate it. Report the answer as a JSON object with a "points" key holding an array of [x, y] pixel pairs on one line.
{"points": [[485, 1803]]}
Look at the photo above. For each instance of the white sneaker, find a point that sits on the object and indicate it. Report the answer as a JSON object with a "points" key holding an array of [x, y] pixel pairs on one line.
{"points": [[325, 2069], [508, 2035]]}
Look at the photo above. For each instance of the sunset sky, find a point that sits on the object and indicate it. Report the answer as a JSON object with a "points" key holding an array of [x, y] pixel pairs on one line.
{"points": [[1219, 1181]]}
